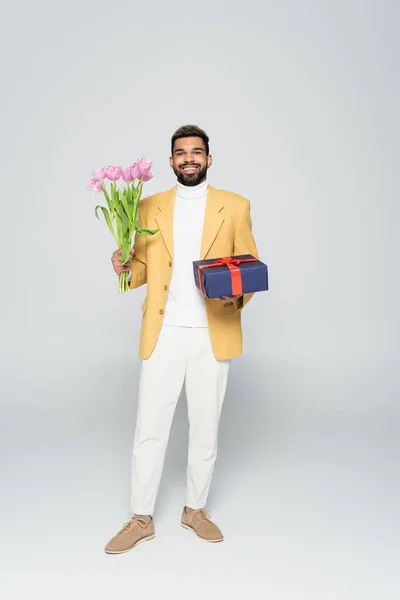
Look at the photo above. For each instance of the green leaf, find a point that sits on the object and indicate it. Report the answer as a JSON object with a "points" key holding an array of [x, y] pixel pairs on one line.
{"points": [[108, 220], [124, 225], [119, 230], [95, 211], [115, 198], [144, 231], [124, 202], [126, 249], [107, 197]]}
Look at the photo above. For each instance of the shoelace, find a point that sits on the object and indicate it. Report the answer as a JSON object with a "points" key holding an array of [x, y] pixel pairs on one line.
{"points": [[203, 514], [132, 523]]}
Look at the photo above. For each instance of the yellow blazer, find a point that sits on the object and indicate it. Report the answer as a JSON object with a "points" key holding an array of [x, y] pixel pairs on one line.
{"points": [[226, 232]]}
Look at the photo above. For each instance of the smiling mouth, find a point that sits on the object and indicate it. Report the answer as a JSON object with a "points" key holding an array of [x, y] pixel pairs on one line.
{"points": [[189, 170]]}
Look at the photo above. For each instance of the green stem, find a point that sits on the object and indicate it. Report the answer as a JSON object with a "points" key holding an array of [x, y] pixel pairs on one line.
{"points": [[123, 282]]}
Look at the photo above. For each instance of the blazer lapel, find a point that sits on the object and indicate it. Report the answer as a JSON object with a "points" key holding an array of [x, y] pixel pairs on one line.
{"points": [[165, 219], [213, 220]]}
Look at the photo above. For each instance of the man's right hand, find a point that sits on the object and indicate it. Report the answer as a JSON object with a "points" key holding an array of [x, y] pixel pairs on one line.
{"points": [[116, 261]]}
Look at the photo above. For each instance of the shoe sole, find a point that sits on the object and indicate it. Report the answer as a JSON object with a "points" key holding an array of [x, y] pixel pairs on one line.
{"points": [[146, 539], [201, 537]]}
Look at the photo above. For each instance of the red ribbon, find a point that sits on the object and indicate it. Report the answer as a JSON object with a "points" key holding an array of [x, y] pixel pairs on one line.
{"points": [[236, 275]]}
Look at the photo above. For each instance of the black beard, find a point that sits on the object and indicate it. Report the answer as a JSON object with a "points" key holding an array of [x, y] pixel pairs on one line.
{"points": [[191, 180]]}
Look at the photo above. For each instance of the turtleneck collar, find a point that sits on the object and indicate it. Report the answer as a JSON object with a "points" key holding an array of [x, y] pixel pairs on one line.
{"points": [[192, 191]]}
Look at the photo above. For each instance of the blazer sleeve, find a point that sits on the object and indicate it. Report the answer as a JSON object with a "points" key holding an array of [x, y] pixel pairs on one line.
{"points": [[244, 243], [139, 261]]}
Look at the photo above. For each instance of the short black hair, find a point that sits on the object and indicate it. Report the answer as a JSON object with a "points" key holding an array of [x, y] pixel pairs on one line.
{"points": [[190, 131]]}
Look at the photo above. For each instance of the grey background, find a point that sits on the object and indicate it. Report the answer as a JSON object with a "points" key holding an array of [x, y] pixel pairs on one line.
{"points": [[300, 100]]}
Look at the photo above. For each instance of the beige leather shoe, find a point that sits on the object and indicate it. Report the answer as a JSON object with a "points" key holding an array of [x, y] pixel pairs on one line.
{"points": [[133, 532], [198, 520]]}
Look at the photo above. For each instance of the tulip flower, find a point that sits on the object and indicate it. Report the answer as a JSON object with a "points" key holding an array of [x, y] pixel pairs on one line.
{"points": [[99, 174], [113, 173], [145, 164], [95, 186], [147, 176], [135, 170], [141, 169], [127, 174]]}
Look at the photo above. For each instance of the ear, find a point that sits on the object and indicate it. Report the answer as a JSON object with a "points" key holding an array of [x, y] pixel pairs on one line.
{"points": [[209, 160], [171, 164]]}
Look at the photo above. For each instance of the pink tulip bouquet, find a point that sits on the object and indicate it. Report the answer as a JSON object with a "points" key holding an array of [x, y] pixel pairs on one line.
{"points": [[123, 205]]}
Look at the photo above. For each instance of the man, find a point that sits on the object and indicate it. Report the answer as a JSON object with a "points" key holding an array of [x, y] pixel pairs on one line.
{"points": [[185, 337]]}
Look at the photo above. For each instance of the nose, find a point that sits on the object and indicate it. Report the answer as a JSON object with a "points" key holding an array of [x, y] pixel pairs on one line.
{"points": [[189, 159]]}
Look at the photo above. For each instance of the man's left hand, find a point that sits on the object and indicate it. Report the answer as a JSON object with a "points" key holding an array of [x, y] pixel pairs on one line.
{"points": [[228, 298]]}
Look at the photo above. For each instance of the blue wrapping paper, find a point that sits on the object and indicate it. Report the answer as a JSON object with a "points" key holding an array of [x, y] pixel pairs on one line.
{"points": [[216, 281]]}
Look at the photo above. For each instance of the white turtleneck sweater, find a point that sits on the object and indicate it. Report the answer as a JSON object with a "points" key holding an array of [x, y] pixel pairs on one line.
{"points": [[185, 305]]}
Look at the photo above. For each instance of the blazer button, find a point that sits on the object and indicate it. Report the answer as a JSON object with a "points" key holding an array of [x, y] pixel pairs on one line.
{"points": [[161, 311], [170, 264], [165, 287]]}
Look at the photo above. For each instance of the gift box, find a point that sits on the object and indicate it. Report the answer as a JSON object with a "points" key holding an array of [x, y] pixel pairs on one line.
{"points": [[230, 276]]}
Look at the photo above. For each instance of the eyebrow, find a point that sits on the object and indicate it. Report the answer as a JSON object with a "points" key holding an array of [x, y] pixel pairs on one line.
{"points": [[182, 150]]}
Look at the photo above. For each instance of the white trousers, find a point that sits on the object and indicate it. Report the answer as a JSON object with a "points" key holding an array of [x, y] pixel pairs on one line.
{"points": [[182, 355]]}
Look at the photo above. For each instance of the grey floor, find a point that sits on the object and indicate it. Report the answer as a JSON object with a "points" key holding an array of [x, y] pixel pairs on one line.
{"points": [[305, 490]]}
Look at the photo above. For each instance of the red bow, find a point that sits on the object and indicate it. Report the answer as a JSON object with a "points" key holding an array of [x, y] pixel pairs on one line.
{"points": [[236, 275]]}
